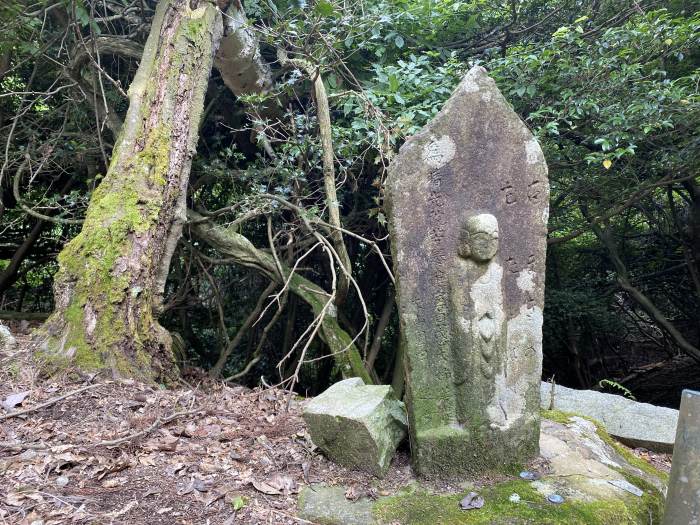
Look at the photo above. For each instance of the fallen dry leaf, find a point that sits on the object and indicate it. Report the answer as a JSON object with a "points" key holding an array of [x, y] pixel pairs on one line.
{"points": [[13, 400], [277, 484], [266, 488], [126, 509], [14, 499], [352, 493], [111, 483]]}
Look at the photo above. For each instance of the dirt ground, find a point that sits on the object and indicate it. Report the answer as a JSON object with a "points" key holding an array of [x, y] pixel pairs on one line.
{"points": [[93, 450]]}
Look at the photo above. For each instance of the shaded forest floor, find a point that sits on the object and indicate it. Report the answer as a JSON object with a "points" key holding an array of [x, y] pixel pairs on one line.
{"points": [[125, 452]]}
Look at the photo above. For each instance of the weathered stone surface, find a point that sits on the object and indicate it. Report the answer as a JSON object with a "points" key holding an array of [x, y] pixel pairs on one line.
{"points": [[637, 424], [683, 502], [583, 465], [329, 506], [357, 425], [599, 483], [7, 340], [468, 205]]}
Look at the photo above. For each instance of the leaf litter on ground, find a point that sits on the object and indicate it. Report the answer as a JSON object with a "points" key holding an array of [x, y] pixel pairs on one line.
{"points": [[114, 453], [85, 450]]}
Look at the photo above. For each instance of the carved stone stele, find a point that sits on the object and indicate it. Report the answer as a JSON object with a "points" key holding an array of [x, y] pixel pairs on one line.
{"points": [[468, 206]]}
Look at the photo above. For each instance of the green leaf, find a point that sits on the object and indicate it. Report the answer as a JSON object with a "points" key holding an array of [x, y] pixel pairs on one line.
{"points": [[393, 83], [239, 502], [324, 8], [399, 41], [82, 15], [332, 81]]}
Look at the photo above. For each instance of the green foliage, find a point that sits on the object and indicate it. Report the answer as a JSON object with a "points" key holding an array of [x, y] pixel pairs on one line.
{"points": [[614, 384], [605, 97], [239, 502]]}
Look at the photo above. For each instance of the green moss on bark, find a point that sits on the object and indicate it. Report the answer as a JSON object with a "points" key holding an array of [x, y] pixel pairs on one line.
{"points": [[348, 362], [110, 275]]}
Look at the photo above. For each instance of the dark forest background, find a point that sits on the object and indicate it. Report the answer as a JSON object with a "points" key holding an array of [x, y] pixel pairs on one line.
{"points": [[610, 88]]}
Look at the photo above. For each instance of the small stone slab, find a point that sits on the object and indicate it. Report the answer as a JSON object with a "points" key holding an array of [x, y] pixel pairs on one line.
{"points": [[357, 425], [329, 506], [636, 424]]}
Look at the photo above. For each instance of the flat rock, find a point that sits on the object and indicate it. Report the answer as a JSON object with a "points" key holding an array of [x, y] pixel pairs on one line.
{"points": [[328, 506], [636, 424], [592, 481], [583, 466], [357, 425]]}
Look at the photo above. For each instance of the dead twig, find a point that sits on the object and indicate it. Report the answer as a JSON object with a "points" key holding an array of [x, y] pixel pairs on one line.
{"points": [[158, 422], [49, 402], [26, 446], [107, 443]]}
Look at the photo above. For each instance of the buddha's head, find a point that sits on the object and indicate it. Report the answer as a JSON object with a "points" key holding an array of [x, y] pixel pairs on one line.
{"points": [[478, 238]]}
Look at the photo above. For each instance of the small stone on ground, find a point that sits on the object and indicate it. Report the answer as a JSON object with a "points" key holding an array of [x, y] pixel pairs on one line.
{"points": [[357, 425]]}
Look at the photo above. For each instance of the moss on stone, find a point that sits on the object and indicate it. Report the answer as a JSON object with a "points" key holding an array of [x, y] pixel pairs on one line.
{"points": [[629, 457], [557, 416], [652, 507], [420, 507], [565, 418]]}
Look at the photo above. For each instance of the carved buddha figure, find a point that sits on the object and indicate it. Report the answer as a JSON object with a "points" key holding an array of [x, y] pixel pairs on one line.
{"points": [[477, 300], [478, 239]]}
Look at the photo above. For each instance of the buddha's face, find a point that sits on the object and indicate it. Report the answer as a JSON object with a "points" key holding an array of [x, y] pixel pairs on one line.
{"points": [[478, 239]]}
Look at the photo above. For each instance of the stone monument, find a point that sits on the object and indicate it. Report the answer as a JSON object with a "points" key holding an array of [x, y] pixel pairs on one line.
{"points": [[468, 201]]}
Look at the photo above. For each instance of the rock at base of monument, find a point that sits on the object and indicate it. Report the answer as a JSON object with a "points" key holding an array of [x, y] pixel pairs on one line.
{"points": [[357, 425], [452, 452], [635, 424], [597, 481], [329, 506]]}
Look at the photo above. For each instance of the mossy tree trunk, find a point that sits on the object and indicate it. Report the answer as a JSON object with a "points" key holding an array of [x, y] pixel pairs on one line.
{"points": [[111, 277]]}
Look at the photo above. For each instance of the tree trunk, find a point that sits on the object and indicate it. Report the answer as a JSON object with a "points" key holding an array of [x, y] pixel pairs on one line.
{"points": [[694, 225], [384, 319], [242, 68], [10, 273], [111, 277]]}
